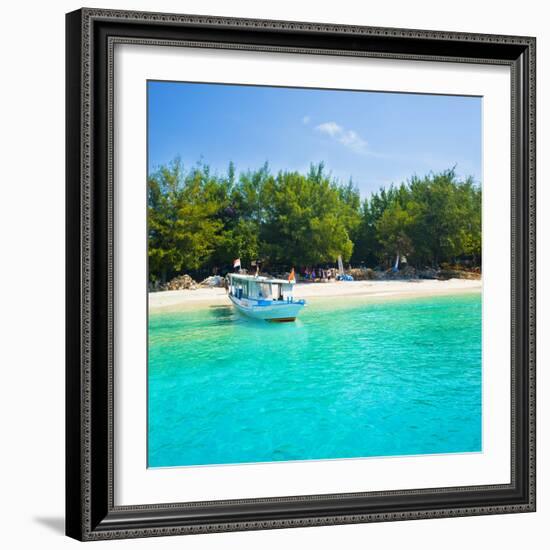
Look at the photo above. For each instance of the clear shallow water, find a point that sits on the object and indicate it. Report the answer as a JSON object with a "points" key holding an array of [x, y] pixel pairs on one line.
{"points": [[350, 378]]}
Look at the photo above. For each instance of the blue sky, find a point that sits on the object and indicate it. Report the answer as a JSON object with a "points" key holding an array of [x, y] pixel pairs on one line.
{"points": [[374, 138]]}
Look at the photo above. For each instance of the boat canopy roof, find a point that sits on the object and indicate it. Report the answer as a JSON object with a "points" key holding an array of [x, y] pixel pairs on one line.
{"points": [[258, 279]]}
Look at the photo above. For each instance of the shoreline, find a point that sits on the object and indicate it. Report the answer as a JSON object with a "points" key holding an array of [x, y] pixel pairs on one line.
{"points": [[204, 297]]}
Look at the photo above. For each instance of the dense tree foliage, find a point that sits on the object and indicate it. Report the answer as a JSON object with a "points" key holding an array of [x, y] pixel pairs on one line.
{"points": [[199, 220], [430, 220]]}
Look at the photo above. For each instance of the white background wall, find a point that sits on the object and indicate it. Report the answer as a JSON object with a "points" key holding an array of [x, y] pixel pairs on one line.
{"points": [[32, 273]]}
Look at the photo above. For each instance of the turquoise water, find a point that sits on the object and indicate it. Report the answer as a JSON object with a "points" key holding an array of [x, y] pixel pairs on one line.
{"points": [[350, 378]]}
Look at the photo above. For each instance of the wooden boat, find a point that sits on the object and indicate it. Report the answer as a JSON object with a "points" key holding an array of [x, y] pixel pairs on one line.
{"points": [[264, 298]]}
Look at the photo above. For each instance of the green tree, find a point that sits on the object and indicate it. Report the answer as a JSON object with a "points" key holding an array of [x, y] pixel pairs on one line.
{"points": [[447, 219], [184, 229], [198, 220], [394, 230], [308, 218]]}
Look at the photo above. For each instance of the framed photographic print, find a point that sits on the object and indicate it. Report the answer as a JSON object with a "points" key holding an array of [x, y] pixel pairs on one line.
{"points": [[300, 274]]}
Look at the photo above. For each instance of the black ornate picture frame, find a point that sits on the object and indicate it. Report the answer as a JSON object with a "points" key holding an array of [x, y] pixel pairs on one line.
{"points": [[90, 509]]}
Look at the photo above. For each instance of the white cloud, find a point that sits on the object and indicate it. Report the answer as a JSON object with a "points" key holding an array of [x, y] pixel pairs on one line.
{"points": [[349, 138], [330, 128], [306, 119]]}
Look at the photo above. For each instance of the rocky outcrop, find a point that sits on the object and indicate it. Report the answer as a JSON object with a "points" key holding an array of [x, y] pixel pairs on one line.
{"points": [[181, 282], [365, 274], [213, 281], [445, 274], [409, 272]]}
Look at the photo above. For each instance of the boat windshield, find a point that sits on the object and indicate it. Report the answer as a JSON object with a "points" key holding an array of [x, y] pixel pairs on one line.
{"points": [[261, 290], [264, 291]]}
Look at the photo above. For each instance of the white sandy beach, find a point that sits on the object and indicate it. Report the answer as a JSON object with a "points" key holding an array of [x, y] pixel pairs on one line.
{"points": [[176, 299]]}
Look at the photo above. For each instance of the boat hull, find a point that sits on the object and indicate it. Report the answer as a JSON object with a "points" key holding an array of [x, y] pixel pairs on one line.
{"points": [[272, 311]]}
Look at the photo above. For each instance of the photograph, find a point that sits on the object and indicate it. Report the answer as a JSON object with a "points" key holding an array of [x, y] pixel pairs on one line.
{"points": [[300, 273], [314, 274]]}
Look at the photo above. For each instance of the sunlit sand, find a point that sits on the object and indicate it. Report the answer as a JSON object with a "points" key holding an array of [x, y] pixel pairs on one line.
{"points": [[176, 299]]}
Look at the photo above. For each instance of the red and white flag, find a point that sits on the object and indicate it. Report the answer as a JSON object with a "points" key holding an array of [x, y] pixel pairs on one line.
{"points": [[236, 263]]}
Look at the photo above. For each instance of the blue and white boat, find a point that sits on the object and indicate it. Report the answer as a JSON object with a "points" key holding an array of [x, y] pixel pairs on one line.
{"points": [[264, 298]]}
